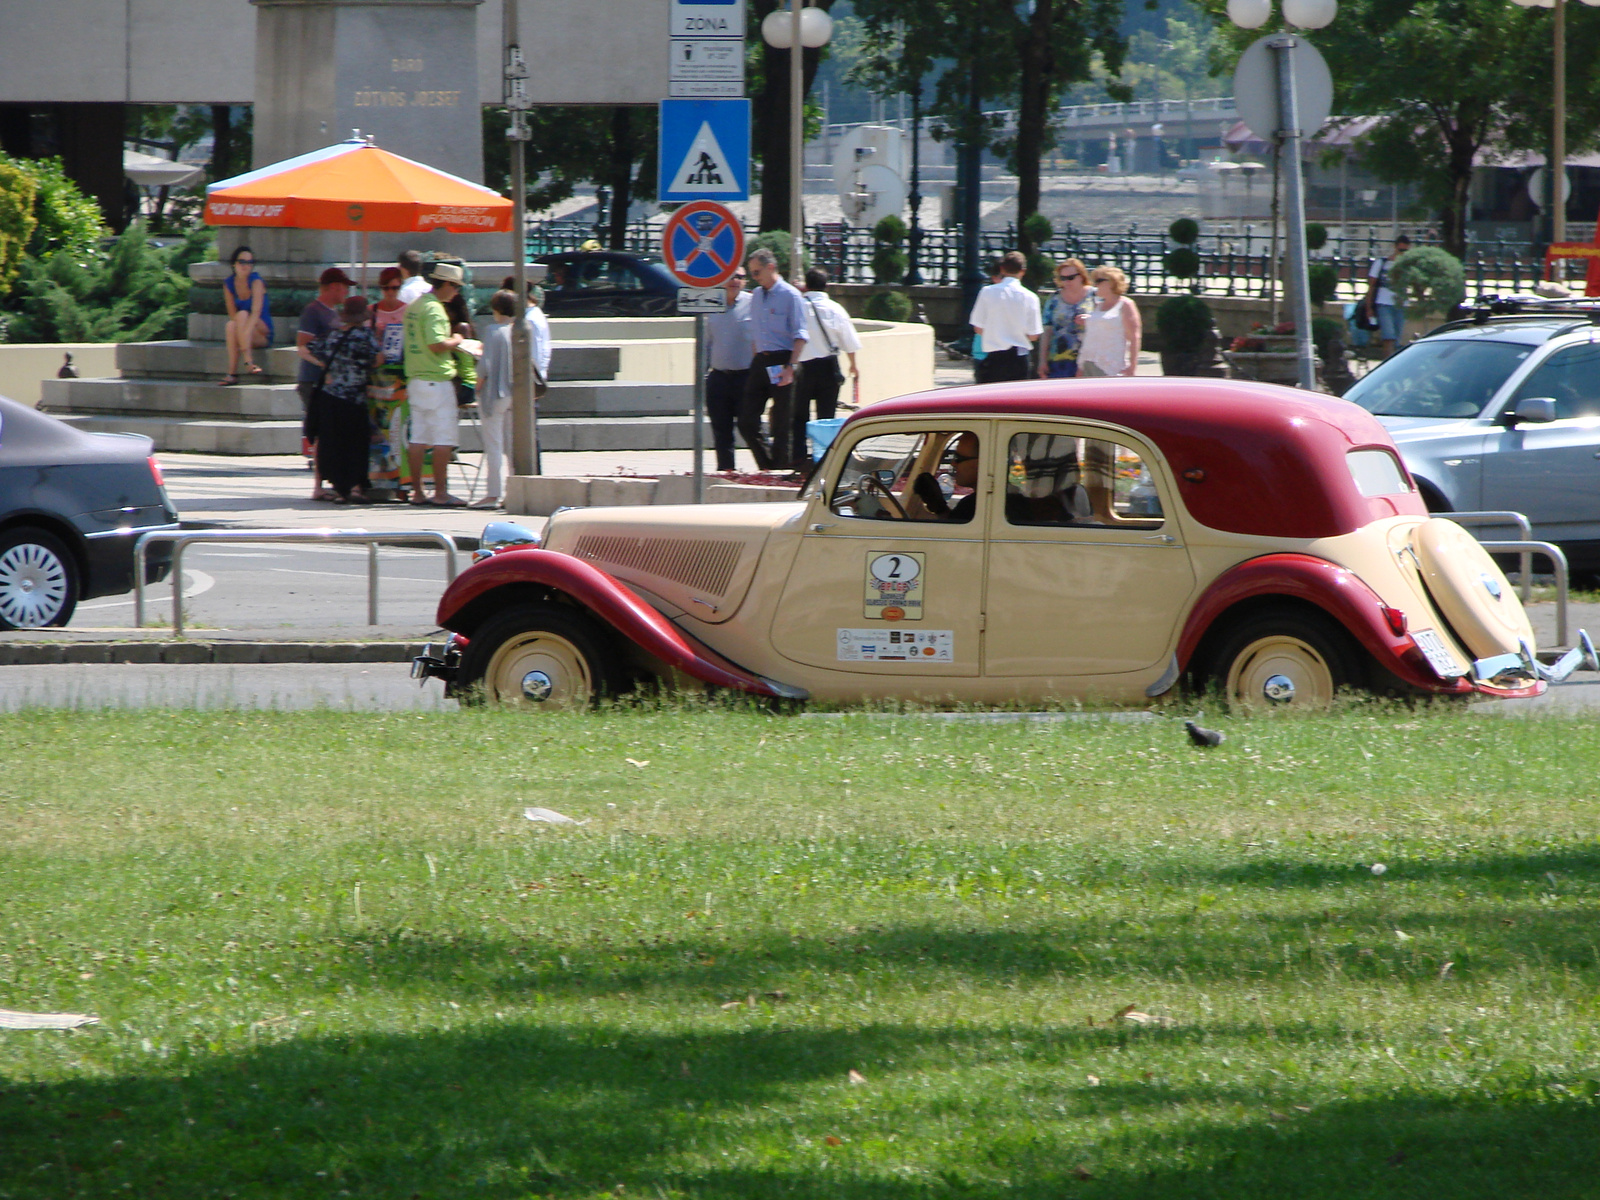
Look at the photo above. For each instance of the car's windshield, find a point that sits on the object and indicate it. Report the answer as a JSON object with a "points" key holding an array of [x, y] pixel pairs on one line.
{"points": [[1439, 378]]}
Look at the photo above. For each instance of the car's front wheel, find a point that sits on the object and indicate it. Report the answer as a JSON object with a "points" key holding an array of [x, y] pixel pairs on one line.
{"points": [[39, 584], [537, 656], [1286, 657]]}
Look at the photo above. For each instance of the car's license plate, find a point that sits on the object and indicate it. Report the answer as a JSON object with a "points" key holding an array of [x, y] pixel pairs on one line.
{"points": [[1436, 652]]}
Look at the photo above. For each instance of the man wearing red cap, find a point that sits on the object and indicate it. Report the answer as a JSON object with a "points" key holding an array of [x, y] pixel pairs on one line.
{"points": [[320, 318]]}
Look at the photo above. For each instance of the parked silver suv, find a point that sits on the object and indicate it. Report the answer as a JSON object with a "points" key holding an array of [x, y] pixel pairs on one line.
{"points": [[1502, 411]]}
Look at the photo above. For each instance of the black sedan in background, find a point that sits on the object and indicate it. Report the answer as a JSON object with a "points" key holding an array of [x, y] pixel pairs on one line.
{"points": [[72, 504], [604, 283]]}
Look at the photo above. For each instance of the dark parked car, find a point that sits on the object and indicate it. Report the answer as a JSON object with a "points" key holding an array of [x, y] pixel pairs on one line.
{"points": [[1502, 411], [72, 504], [603, 283]]}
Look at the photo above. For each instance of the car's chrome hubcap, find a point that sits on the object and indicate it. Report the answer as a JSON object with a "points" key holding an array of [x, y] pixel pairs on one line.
{"points": [[537, 686], [33, 586], [1279, 689]]}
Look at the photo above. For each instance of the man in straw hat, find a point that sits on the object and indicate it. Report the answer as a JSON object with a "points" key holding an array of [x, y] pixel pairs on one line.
{"points": [[430, 381]]}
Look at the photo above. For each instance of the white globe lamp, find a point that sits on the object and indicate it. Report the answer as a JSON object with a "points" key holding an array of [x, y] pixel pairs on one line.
{"points": [[1249, 14], [1310, 14], [777, 28], [816, 27]]}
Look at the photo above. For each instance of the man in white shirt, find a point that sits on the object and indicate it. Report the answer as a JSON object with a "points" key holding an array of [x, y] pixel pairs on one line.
{"points": [[1006, 316], [831, 333], [413, 284]]}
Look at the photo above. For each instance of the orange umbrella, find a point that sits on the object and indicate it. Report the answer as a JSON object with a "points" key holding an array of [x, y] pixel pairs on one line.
{"points": [[356, 186]]}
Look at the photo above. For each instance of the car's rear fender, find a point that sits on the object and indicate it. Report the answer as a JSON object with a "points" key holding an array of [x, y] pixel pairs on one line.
{"points": [[1304, 579], [70, 535], [481, 590]]}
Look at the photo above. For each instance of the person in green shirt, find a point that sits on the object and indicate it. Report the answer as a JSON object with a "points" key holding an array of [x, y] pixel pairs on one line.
{"points": [[431, 370]]}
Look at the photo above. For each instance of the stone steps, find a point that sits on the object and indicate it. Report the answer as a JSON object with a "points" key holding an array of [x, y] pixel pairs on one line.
{"points": [[168, 398], [556, 434], [269, 402]]}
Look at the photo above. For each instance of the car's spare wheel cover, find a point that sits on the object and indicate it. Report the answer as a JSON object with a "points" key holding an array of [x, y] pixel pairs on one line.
{"points": [[1471, 591]]}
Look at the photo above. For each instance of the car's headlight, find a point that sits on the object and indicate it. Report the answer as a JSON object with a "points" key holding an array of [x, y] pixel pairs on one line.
{"points": [[498, 535]]}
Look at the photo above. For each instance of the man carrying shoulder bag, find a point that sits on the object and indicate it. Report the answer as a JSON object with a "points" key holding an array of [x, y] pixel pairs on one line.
{"points": [[831, 333]]}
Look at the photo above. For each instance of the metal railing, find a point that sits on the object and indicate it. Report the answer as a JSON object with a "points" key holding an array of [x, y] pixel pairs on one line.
{"points": [[372, 541], [1233, 262]]}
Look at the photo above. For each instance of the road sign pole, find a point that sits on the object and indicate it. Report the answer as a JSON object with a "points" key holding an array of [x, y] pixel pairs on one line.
{"points": [[1289, 132], [524, 419], [699, 408]]}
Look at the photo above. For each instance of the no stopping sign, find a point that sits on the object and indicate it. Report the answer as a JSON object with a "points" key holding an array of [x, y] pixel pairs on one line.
{"points": [[702, 244]]}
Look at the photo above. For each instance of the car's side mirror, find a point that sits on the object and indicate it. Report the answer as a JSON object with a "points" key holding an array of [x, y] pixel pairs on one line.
{"points": [[1532, 410]]}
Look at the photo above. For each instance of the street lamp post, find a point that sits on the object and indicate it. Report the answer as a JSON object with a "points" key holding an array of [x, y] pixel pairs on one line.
{"points": [[1556, 168], [1305, 14], [797, 30], [524, 417]]}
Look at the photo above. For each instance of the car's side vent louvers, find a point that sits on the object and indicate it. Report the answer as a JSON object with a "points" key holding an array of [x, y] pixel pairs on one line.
{"points": [[703, 565]]}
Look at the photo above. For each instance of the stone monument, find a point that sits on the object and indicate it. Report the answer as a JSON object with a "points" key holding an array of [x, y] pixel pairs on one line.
{"points": [[404, 72]]}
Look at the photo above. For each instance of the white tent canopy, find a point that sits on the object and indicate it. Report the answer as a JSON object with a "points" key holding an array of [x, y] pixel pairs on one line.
{"points": [[149, 171]]}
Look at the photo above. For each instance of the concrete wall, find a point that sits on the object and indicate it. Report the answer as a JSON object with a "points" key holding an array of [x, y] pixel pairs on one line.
{"points": [[137, 51], [24, 365], [894, 358], [203, 52]]}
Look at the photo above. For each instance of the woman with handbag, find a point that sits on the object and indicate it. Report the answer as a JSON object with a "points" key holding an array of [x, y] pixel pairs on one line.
{"points": [[494, 384], [337, 419]]}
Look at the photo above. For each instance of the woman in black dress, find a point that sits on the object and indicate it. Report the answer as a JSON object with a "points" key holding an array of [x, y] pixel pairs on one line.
{"points": [[338, 420]]}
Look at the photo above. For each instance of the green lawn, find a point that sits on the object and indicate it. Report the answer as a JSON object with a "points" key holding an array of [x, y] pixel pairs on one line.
{"points": [[860, 958]]}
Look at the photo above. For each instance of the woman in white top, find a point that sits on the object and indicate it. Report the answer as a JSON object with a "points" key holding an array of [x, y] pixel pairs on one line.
{"points": [[494, 383], [1112, 332]]}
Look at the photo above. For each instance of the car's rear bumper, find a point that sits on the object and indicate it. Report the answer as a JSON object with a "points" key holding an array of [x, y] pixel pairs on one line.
{"points": [[110, 555]]}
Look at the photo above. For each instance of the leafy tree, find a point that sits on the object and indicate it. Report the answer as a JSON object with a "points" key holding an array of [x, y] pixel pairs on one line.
{"points": [[131, 292], [63, 217], [767, 72], [575, 144], [1426, 279], [17, 220], [1017, 56], [1449, 80]]}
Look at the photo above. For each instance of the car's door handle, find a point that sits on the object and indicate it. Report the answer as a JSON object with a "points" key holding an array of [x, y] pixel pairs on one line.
{"points": [[1166, 539], [819, 526]]}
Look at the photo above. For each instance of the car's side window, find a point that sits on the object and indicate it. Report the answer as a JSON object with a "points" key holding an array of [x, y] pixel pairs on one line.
{"points": [[913, 475], [1570, 377], [1062, 479]]}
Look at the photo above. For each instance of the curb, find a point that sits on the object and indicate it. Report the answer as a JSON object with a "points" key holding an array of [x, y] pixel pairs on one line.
{"points": [[25, 654]]}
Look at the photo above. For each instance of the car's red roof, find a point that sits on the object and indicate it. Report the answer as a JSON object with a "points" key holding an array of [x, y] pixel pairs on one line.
{"points": [[1273, 458]]}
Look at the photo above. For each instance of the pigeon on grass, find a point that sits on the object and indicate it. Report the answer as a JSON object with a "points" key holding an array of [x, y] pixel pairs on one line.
{"points": [[1202, 736]]}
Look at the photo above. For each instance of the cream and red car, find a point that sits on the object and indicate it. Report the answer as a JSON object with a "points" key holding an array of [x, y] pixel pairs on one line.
{"points": [[1100, 540]]}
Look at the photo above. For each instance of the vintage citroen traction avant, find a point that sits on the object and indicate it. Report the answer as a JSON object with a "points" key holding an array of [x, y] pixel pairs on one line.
{"points": [[1020, 542]]}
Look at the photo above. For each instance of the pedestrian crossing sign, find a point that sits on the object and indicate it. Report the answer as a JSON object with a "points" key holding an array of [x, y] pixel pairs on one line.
{"points": [[704, 150]]}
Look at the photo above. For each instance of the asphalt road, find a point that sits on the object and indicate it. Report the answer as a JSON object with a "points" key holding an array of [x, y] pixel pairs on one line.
{"points": [[277, 589]]}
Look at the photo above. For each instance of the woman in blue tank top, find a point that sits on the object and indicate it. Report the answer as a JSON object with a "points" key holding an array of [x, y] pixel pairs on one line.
{"points": [[249, 322]]}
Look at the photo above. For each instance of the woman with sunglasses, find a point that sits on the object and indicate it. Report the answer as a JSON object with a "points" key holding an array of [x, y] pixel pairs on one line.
{"points": [[387, 396], [249, 323], [1112, 332], [1072, 299]]}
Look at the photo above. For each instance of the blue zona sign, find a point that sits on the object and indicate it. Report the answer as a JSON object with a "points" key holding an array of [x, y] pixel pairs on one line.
{"points": [[702, 243]]}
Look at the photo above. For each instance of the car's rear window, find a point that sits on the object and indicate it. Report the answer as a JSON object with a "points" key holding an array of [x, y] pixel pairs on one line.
{"points": [[1377, 473], [1446, 378]]}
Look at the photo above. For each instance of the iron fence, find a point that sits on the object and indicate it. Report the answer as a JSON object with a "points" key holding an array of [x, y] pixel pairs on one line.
{"points": [[1234, 262]]}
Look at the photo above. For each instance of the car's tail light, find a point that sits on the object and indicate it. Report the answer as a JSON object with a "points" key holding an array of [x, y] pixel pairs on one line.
{"points": [[155, 470], [1396, 619]]}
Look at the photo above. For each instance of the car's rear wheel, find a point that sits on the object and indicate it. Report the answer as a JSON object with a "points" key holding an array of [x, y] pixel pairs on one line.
{"points": [[1286, 658], [39, 584], [537, 656]]}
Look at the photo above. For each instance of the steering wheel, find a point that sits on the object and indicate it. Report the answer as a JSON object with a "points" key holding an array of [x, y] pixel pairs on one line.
{"points": [[871, 483]]}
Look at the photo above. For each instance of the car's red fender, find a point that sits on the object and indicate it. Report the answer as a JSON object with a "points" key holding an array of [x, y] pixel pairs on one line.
{"points": [[611, 602], [1338, 592]]}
